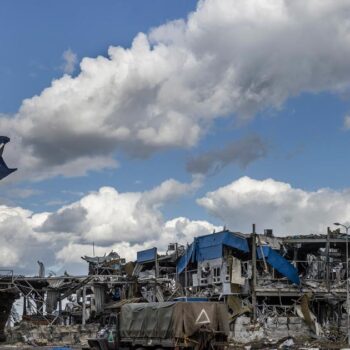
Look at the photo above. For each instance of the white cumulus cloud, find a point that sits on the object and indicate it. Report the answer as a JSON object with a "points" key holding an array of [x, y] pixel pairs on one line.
{"points": [[347, 122], [277, 205], [181, 230], [108, 217], [20, 245], [227, 58], [125, 222]]}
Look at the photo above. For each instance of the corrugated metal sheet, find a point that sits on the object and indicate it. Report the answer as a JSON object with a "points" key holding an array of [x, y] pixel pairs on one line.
{"points": [[51, 300], [279, 263], [137, 269], [185, 259], [99, 298]]}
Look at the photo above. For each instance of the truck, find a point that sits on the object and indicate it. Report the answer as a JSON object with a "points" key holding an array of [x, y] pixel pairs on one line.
{"points": [[165, 325]]}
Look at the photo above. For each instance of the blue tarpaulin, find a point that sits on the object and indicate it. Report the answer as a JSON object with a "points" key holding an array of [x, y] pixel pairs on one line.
{"points": [[279, 263], [211, 247], [147, 255], [185, 259]]}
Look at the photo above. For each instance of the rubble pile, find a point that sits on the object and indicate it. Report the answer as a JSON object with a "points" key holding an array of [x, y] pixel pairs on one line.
{"points": [[43, 335]]}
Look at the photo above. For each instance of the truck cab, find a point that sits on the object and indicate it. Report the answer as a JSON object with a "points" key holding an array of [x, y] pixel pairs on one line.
{"points": [[107, 338]]}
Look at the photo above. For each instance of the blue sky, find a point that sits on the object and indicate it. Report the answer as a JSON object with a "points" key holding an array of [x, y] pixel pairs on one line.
{"points": [[34, 36], [249, 82]]}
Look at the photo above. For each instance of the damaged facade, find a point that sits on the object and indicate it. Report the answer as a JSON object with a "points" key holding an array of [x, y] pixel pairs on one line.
{"points": [[273, 287]]}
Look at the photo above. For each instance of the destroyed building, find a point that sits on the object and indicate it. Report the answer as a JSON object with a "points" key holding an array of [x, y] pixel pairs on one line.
{"points": [[110, 264], [297, 283]]}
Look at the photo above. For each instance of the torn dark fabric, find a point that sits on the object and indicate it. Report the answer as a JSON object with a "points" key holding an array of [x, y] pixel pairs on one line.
{"points": [[4, 169]]}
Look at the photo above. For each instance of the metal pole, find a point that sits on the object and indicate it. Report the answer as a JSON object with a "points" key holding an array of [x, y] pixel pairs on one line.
{"points": [[156, 265], [347, 284], [60, 309], [327, 260], [254, 273], [347, 279], [83, 320], [177, 255], [24, 306], [186, 273]]}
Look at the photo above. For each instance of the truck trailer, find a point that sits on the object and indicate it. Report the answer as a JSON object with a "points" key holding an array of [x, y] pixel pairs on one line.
{"points": [[166, 325]]}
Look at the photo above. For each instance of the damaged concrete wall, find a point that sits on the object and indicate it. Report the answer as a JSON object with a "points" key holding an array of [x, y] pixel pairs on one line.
{"points": [[273, 329]]}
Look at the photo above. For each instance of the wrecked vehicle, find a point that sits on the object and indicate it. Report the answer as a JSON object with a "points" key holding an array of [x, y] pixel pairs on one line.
{"points": [[167, 325]]}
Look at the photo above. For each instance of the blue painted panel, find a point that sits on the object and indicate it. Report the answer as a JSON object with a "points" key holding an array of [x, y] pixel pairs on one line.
{"points": [[210, 247], [209, 253], [235, 241], [146, 255]]}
